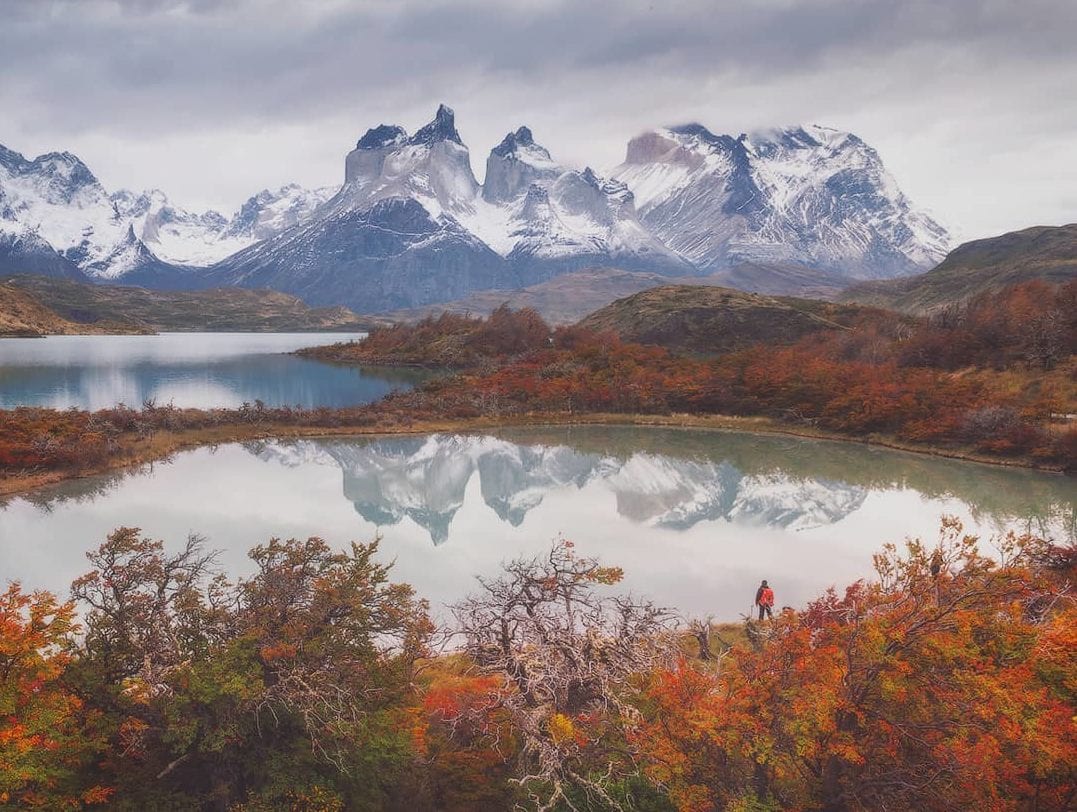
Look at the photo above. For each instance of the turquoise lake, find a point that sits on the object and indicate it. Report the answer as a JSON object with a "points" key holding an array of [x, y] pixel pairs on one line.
{"points": [[695, 518], [187, 369]]}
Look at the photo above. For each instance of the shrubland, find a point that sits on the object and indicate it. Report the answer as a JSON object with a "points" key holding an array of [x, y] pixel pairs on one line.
{"points": [[316, 683]]}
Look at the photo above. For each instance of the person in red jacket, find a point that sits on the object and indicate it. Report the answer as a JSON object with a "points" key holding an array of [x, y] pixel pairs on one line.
{"points": [[764, 599]]}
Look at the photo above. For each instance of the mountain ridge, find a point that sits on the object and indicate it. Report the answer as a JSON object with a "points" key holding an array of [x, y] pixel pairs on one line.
{"points": [[1047, 253], [813, 195], [411, 225], [569, 297], [86, 308], [712, 319]]}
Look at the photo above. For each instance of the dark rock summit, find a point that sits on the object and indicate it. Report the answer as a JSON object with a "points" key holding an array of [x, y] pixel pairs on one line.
{"points": [[383, 135], [442, 128]]}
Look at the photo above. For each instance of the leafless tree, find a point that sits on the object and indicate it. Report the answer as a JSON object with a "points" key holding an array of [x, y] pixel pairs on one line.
{"points": [[566, 653], [140, 600], [1045, 339]]}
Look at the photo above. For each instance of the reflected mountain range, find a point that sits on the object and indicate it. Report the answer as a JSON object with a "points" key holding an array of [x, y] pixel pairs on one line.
{"points": [[425, 479], [661, 477]]}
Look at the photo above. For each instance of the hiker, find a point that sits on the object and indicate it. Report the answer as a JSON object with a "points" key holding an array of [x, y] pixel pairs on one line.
{"points": [[764, 599], [936, 563]]}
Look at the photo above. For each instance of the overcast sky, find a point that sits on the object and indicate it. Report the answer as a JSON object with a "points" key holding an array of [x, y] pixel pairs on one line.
{"points": [[971, 103]]}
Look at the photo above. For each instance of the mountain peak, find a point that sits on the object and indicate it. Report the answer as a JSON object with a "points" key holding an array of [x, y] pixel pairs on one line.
{"points": [[11, 159], [64, 168], [694, 129], [702, 135], [516, 163], [514, 141], [804, 194], [800, 137], [384, 135], [442, 128]]}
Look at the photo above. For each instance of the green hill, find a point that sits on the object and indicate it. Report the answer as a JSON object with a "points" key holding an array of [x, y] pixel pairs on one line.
{"points": [[22, 315], [1048, 253], [714, 320], [220, 310]]}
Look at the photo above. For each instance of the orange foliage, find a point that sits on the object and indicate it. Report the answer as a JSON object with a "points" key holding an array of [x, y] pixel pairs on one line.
{"points": [[919, 381], [913, 692], [42, 738], [467, 743]]}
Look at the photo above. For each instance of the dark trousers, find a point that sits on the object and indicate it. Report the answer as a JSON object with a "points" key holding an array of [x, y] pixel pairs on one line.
{"points": [[762, 609]]}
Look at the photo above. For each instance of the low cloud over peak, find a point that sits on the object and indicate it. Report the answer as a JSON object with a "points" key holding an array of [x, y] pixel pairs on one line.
{"points": [[969, 102]]}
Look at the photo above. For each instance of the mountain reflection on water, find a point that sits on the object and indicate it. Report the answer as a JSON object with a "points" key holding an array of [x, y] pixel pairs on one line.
{"points": [[694, 518], [425, 479]]}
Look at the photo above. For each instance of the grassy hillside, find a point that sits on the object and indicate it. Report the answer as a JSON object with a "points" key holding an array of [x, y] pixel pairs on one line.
{"points": [[230, 309], [568, 298], [21, 314], [1047, 253], [714, 319]]}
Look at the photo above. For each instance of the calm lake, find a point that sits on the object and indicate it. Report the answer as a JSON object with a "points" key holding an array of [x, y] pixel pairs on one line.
{"points": [[695, 518], [188, 369]]}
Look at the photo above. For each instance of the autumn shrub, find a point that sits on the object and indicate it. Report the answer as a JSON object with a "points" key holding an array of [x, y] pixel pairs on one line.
{"points": [[945, 681], [293, 683], [46, 733], [935, 686]]}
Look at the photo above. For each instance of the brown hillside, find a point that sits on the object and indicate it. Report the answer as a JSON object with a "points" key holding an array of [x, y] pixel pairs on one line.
{"points": [[21, 314], [1047, 253], [228, 309], [713, 320]]}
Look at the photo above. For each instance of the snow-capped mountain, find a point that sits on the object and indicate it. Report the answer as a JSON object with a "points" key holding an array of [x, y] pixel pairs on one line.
{"points": [[54, 206], [811, 195], [188, 238], [549, 213], [412, 225], [391, 236], [425, 480]]}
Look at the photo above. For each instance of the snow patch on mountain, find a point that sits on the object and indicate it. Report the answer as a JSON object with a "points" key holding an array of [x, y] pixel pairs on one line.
{"points": [[412, 226], [59, 200], [811, 195]]}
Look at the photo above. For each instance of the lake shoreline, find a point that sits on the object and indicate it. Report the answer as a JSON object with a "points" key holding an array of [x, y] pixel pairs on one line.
{"points": [[165, 443]]}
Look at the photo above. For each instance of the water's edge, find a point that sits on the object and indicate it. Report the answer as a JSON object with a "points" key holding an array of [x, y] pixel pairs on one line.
{"points": [[166, 444]]}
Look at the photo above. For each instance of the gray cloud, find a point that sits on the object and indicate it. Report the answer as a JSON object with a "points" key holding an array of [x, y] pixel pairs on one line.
{"points": [[968, 100]]}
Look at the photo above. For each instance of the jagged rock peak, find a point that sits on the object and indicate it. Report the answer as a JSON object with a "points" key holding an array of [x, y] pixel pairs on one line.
{"points": [[698, 131], [10, 158], [514, 141], [384, 135], [442, 128], [62, 167]]}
